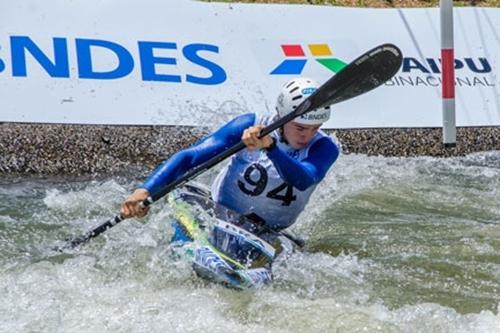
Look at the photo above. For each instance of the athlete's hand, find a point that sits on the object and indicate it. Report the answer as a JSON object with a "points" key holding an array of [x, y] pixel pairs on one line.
{"points": [[251, 139], [131, 207]]}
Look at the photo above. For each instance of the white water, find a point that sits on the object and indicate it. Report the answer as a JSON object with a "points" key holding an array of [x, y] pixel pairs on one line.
{"points": [[384, 238]]}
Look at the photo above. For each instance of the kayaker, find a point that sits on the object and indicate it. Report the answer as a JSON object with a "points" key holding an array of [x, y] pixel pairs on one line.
{"points": [[273, 178]]}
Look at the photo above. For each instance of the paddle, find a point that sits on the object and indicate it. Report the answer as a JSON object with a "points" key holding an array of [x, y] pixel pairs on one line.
{"points": [[367, 72]]}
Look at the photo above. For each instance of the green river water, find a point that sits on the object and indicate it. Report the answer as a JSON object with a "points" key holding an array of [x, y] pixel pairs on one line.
{"points": [[393, 245]]}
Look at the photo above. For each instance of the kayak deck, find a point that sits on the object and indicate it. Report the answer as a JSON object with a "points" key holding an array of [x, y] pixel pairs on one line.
{"points": [[195, 218]]}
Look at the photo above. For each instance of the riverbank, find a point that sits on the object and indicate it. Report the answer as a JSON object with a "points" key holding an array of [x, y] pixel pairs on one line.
{"points": [[56, 149]]}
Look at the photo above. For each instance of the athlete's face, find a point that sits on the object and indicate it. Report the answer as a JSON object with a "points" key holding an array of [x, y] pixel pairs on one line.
{"points": [[299, 135]]}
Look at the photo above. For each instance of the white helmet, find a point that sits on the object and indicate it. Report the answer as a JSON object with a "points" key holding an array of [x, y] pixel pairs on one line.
{"points": [[295, 92]]}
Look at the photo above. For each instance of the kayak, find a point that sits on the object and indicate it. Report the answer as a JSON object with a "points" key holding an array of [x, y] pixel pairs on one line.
{"points": [[224, 247]]}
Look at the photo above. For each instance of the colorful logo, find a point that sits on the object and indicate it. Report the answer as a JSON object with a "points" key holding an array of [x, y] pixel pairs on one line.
{"points": [[321, 53], [308, 91]]}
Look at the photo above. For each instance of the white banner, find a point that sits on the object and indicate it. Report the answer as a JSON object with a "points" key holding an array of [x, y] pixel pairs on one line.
{"points": [[196, 63]]}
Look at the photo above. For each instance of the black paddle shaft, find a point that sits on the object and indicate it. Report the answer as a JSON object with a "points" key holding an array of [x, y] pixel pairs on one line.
{"points": [[362, 75], [367, 72]]}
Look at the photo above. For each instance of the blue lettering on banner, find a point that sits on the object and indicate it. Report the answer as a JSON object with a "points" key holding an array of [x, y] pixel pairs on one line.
{"points": [[412, 63], [57, 65], [148, 61], [486, 68], [478, 65], [58, 68], [191, 53], [85, 68]]}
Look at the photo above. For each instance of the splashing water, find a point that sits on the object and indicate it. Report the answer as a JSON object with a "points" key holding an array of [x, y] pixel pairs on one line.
{"points": [[393, 245]]}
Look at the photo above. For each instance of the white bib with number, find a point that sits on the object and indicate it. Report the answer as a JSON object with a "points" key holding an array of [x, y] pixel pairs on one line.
{"points": [[251, 184]]}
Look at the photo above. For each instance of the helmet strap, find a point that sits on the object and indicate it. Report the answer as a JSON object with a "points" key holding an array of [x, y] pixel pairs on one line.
{"points": [[282, 135]]}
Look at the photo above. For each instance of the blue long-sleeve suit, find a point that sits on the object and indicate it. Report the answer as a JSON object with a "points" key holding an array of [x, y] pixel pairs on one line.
{"points": [[301, 173]]}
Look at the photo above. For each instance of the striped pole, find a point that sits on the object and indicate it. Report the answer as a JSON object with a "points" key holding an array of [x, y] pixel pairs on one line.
{"points": [[448, 73]]}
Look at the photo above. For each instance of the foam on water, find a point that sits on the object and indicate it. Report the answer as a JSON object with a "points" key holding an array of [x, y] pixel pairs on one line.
{"points": [[394, 245]]}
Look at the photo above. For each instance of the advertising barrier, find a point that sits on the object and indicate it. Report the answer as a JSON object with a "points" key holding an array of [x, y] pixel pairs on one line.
{"points": [[196, 63]]}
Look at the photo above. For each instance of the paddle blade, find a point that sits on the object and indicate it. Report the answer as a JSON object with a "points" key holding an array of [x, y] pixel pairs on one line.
{"points": [[366, 73]]}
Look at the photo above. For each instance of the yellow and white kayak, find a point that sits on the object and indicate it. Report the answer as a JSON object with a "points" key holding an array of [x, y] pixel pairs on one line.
{"points": [[222, 245]]}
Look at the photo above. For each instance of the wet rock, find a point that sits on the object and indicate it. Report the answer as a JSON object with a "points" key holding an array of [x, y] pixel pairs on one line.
{"points": [[417, 141], [53, 149], [49, 149]]}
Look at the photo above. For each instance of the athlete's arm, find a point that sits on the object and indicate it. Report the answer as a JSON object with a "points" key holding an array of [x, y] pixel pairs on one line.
{"points": [[303, 174], [225, 137]]}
